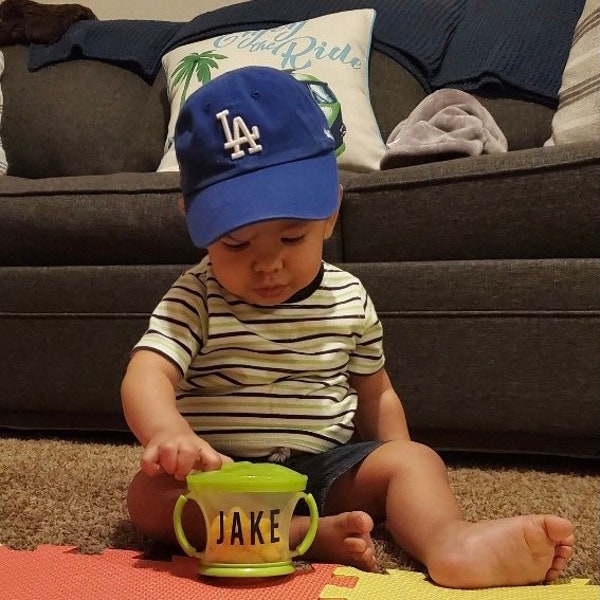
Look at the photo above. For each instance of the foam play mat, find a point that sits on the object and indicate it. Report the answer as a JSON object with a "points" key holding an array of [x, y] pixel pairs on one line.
{"points": [[409, 585], [62, 573]]}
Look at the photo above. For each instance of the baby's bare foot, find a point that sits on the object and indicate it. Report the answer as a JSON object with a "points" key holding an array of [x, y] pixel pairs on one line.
{"points": [[516, 551], [344, 539]]}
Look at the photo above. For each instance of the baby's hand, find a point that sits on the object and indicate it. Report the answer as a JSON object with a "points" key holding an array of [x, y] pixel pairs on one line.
{"points": [[180, 453]]}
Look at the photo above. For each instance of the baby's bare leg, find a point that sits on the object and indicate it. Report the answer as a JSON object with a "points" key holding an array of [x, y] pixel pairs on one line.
{"points": [[151, 501], [406, 484]]}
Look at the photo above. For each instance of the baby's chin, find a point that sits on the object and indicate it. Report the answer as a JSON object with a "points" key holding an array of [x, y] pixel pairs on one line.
{"points": [[266, 302]]}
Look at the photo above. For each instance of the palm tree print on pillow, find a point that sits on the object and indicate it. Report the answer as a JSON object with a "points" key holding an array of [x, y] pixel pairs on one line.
{"points": [[198, 64]]}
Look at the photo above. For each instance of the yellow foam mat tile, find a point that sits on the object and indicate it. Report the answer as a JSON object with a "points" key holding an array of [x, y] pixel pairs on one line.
{"points": [[409, 585]]}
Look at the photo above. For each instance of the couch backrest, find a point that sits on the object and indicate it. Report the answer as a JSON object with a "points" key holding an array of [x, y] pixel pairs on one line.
{"points": [[79, 118], [88, 117]]}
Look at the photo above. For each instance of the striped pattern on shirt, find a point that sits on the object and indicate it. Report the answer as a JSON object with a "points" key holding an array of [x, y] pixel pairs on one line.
{"points": [[259, 378]]}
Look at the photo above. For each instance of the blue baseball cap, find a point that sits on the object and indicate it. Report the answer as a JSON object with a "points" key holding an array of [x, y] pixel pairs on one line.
{"points": [[253, 145]]}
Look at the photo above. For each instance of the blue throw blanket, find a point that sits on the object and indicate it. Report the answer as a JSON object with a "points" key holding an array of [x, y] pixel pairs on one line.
{"points": [[512, 48]]}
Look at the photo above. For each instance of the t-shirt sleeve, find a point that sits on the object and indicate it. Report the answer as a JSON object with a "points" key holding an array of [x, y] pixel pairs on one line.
{"points": [[177, 327], [368, 356]]}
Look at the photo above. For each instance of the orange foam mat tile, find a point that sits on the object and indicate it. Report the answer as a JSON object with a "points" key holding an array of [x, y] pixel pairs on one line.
{"points": [[62, 573], [351, 584]]}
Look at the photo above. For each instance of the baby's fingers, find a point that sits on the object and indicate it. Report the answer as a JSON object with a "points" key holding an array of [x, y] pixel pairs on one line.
{"points": [[179, 456], [225, 459], [186, 461], [160, 456], [208, 459], [168, 457], [149, 463]]}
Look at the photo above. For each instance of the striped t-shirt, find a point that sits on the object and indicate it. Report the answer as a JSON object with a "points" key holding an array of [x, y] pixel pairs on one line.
{"points": [[256, 379]]}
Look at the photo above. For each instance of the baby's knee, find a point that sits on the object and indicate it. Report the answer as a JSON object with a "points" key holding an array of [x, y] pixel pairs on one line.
{"points": [[408, 454], [150, 503]]}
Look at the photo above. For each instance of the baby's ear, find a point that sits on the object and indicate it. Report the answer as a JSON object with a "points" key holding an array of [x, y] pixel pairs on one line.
{"points": [[332, 220], [340, 196], [181, 205]]}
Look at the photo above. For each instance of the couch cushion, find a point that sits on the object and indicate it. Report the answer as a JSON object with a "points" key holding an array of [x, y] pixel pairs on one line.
{"points": [[81, 329], [120, 219], [394, 92], [80, 118], [487, 355], [525, 124], [494, 354], [103, 219], [538, 203]]}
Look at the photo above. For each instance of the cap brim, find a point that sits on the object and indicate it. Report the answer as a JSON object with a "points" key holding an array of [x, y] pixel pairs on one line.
{"points": [[305, 189]]}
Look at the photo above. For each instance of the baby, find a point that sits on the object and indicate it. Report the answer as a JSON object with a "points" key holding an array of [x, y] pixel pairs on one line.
{"points": [[263, 351]]}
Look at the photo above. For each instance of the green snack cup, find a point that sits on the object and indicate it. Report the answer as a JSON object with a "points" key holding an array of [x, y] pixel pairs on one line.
{"points": [[247, 509]]}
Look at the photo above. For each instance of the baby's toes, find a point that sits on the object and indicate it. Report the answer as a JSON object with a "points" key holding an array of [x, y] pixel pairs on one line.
{"points": [[356, 545], [561, 558], [564, 552]]}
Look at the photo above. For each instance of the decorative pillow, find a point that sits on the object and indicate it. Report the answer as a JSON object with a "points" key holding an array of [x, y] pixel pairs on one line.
{"points": [[330, 54], [3, 164], [577, 118]]}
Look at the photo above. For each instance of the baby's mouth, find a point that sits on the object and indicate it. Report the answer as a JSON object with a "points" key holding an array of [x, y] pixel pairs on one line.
{"points": [[270, 291]]}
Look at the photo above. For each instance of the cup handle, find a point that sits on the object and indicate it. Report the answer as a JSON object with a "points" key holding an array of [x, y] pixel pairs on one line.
{"points": [[179, 533], [309, 538]]}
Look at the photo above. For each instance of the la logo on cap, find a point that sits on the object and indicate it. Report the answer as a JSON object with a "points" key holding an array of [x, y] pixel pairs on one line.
{"points": [[235, 140]]}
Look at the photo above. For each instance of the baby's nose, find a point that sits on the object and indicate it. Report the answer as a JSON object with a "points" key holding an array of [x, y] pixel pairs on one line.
{"points": [[268, 261]]}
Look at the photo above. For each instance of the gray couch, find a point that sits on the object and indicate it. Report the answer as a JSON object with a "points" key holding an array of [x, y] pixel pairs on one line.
{"points": [[484, 270]]}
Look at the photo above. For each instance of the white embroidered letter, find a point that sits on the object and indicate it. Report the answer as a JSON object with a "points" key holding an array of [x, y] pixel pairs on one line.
{"points": [[235, 140]]}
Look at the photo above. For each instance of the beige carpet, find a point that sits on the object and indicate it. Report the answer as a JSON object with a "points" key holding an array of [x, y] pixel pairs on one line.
{"points": [[71, 492]]}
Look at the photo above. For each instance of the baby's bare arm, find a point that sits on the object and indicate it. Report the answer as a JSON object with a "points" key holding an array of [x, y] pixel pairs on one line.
{"points": [[148, 397], [380, 415]]}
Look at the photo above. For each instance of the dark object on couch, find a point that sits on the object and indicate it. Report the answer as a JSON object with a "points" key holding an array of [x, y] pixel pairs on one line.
{"points": [[28, 22], [484, 270], [464, 44]]}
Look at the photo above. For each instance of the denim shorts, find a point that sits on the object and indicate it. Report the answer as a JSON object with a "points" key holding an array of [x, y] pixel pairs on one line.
{"points": [[323, 469]]}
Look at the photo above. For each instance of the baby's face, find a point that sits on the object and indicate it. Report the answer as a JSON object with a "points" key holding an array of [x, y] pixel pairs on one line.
{"points": [[267, 263]]}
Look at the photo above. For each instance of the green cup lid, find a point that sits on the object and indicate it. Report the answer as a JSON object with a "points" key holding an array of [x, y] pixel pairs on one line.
{"points": [[249, 477]]}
